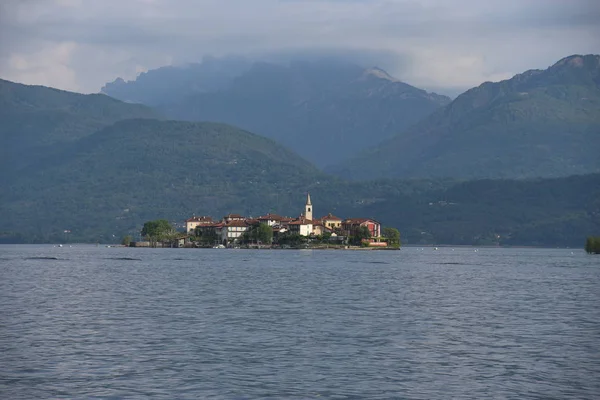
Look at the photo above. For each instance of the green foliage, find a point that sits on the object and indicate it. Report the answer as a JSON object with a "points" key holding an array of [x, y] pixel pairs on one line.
{"points": [[360, 234], [261, 233], [592, 245], [158, 230], [392, 236], [127, 239], [38, 122], [206, 237], [537, 124], [292, 239]]}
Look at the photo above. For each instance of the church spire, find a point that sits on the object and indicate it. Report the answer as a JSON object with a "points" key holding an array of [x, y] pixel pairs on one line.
{"points": [[308, 211]]}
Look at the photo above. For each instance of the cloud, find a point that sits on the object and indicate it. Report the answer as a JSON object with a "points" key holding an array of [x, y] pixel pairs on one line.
{"points": [[436, 44]]}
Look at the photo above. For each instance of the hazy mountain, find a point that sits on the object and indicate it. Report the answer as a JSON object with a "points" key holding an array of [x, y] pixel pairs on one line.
{"points": [[36, 121], [537, 124], [323, 110], [173, 83]]}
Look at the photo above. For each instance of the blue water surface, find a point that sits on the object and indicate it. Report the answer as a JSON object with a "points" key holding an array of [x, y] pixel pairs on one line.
{"points": [[463, 323]]}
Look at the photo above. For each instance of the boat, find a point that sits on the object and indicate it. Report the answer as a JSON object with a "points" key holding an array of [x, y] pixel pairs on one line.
{"points": [[219, 246]]}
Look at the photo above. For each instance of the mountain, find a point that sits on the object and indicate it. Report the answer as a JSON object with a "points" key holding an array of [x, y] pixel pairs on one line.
{"points": [[108, 182], [138, 169], [171, 84], [37, 121], [323, 110], [533, 212], [542, 123]]}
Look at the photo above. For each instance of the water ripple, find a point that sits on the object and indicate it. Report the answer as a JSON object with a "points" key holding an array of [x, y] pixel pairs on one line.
{"points": [[87, 322]]}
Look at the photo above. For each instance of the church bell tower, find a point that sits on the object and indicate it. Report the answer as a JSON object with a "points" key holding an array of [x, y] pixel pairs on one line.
{"points": [[308, 209]]}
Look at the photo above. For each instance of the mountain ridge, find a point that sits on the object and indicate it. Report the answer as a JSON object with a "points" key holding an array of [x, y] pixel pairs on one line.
{"points": [[38, 120], [539, 123], [105, 182], [310, 107]]}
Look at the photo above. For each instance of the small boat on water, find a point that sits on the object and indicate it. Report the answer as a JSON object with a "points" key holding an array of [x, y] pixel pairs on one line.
{"points": [[219, 246]]}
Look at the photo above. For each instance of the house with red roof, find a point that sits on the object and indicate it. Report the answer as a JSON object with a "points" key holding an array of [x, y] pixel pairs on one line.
{"points": [[301, 226], [192, 223], [270, 219], [332, 222], [232, 230], [351, 225]]}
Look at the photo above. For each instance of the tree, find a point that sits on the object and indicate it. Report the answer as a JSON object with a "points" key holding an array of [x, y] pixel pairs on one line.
{"points": [[392, 236], [127, 240], [206, 236], [592, 245], [291, 239], [262, 233], [265, 233], [359, 235], [157, 230]]}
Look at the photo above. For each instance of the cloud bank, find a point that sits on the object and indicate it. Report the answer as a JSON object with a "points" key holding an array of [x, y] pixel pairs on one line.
{"points": [[440, 45]]}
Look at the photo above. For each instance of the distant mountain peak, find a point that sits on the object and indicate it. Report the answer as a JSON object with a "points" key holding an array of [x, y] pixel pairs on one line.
{"points": [[379, 73], [579, 61], [540, 123]]}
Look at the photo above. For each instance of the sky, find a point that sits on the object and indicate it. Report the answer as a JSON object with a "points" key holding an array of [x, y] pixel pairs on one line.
{"points": [[441, 45]]}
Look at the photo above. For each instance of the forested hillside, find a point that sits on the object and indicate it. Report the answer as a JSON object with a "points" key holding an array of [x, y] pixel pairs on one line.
{"points": [[37, 121]]}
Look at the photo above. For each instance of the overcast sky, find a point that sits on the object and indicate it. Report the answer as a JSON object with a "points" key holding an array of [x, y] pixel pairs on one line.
{"points": [[441, 45]]}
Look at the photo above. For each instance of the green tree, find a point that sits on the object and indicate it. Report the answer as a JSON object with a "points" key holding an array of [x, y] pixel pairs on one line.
{"points": [[392, 236], [592, 245], [262, 233], [359, 235], [158, 230], [291, 239], [206, 236], [127, 240]]}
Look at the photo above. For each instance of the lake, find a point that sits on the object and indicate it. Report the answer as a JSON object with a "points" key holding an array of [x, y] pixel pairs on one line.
{"points": [[97, 322]]}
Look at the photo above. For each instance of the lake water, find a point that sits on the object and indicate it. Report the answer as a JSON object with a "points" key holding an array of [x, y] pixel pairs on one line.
{"points": [[114, 323]]}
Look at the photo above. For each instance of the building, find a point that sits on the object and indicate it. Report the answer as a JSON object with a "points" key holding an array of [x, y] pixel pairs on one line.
{"points": [[308, 208], [301, 226], [231, 231], [271, 219], [320, 229], [233, 217], [351, 225], [192, 223], [332, 222]]}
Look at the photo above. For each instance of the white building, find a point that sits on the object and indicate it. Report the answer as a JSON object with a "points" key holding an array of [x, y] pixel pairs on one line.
{"points": [[301, 226], [232, 230]]}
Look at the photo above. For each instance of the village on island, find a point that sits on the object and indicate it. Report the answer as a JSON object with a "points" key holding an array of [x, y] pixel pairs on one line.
{"points": [[272, 231]]}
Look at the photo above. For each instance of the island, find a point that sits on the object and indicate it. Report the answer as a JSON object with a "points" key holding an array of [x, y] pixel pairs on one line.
{"points": [[271, 231]]}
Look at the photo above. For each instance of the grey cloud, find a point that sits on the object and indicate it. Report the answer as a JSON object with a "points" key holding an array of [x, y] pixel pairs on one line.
{"points": [[432, 43]]}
